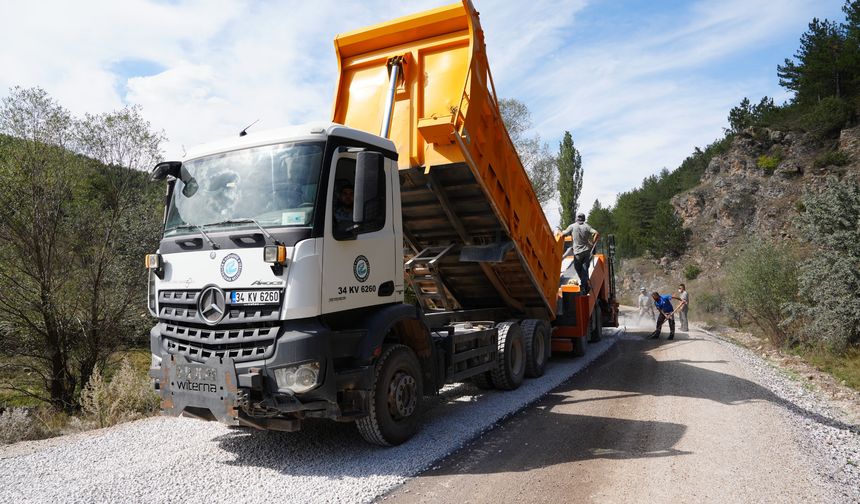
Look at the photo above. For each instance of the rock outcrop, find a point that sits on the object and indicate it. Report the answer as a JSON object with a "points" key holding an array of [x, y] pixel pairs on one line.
{"points": [[742, 195]]}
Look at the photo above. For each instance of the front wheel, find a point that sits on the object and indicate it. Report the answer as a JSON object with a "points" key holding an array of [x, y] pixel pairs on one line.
{"points": [[395, 403]]}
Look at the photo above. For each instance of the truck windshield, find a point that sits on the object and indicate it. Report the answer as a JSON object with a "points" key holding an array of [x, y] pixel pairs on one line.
{"points": [[275, 185]]}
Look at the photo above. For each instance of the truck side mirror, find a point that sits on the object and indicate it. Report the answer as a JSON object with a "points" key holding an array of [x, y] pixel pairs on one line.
{"points": [[162, 170], [368, 170]]}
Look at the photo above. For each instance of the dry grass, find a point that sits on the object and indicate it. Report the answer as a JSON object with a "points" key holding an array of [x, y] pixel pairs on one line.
{"points": [[845, 368], [121, 394], [126, 397]]}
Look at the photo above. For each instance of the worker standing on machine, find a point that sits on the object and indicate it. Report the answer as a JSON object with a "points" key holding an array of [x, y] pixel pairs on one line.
{"points": [[584, 238]]}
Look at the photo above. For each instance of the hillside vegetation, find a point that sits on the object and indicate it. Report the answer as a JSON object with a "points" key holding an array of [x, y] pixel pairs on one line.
{"points": [[78, 214], [765, 222], [824, 76]]}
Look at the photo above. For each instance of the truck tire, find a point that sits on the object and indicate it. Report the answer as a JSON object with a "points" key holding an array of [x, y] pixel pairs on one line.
{"points": [[536, 337], [578, 346], [483, 381], [511, 359], [395, 402], [596, 324]]}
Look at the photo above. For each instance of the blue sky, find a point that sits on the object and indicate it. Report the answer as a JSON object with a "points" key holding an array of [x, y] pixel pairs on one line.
{"points": [[639, 84]]}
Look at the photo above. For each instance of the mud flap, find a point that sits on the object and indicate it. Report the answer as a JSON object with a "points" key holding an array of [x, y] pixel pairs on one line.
{"points": [[209, 390]]}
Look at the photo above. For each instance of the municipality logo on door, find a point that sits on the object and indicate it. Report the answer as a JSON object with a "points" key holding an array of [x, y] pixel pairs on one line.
{"points": [[231, 267], [361, 268]]}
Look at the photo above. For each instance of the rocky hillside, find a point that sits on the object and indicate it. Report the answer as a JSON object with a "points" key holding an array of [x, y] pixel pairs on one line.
{"points": [[741, 195], [754, 189]]}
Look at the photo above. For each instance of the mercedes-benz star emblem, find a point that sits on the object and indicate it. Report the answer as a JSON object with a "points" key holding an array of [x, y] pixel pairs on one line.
{"points": [[212, 305]]}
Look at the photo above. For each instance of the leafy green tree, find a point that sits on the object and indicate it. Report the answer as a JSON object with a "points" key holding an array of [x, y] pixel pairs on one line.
{"points": [[79, 212], [830, 277], [569, 179], [763, 281], [535, 155]]}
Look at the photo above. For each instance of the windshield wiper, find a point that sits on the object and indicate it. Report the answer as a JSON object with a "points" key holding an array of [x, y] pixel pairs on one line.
{"points": [[199, 230], [244, 220]]}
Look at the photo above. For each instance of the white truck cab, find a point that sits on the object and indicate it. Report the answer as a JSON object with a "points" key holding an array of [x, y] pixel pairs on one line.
{"points": [[265, 236]]}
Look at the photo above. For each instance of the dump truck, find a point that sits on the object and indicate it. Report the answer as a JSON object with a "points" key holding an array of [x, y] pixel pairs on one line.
{"points": [[345, 270]]}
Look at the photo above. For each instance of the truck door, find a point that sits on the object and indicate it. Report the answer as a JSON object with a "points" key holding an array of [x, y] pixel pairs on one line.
{"points": [[359, 263]]}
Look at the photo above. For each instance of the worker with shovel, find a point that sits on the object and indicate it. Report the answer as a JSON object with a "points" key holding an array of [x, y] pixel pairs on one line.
{"points": [[666, 312]]}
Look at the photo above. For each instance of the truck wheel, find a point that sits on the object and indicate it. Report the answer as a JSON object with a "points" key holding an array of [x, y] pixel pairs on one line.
{"points": [[578, 346], [536, 337], [397, 390], [511, 359], [596, 324], [483, 381]]}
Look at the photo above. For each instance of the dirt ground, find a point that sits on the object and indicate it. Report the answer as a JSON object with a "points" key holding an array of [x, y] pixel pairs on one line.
{"points": [[650, 421]]}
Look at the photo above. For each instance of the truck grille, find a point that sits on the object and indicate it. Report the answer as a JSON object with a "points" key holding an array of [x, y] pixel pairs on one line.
{"points": [[181, 306], [245, 333]]}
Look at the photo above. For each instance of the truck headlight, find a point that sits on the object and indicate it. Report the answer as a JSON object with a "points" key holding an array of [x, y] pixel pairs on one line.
{"points": [[275, 254], [299, 378]]}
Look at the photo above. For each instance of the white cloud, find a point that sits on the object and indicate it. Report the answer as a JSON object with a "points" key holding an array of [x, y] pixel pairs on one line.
{"points": [[635, 101]]}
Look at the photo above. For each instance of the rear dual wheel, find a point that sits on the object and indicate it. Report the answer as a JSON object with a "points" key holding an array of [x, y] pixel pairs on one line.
{"points": [[510, 367], [537, 344]]}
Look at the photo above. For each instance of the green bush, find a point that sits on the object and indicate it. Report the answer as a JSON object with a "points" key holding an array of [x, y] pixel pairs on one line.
{"points": [[767, 163], [830, 279], [763, 280], [827, 117], [691, 272], [710, 302], [833, 158]]}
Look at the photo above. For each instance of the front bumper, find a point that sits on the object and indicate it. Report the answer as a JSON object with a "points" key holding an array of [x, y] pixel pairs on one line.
{"points": [[246, 392], [214, 393]]}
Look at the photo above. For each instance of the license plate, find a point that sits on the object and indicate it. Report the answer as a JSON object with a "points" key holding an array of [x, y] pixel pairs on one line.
{"points": [[194, 378], [255, 297]]}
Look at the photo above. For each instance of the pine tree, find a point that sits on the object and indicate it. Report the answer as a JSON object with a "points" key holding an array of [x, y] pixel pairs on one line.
{"points": [[600, 218], [569, 179], [822, 65]]}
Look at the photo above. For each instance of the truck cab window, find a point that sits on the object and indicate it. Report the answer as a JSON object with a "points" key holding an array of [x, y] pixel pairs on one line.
{"points": [[343, 200]]}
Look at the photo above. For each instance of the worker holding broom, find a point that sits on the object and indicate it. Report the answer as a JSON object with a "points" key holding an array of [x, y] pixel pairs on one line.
{"points": [[666, 312]]}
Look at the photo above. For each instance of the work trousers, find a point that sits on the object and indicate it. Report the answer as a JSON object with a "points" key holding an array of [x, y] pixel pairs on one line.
{"points": [[662, 318], [580, 263], [646, 313], [682, 318]]}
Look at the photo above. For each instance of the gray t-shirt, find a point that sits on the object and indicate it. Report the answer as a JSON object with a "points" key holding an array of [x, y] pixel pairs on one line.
{"points": [[685, 296], [581, 234]]}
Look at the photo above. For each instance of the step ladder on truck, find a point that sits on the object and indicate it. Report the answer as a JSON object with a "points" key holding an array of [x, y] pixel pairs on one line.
{"points": [[280, 278]]}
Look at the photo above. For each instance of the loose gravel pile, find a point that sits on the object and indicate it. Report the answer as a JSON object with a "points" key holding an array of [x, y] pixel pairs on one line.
{"points": [[833, 445], [183, 460]]}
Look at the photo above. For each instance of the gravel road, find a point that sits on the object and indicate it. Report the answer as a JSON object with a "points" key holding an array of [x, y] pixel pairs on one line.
{"points": [[184, 460], [696, 419]]}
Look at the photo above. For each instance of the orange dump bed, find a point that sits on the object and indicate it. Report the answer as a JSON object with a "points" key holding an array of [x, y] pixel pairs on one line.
{"points": [[464, 192]]}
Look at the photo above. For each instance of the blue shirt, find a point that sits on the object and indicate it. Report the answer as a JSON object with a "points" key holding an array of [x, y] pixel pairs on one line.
{"points": [[664, 304]]}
